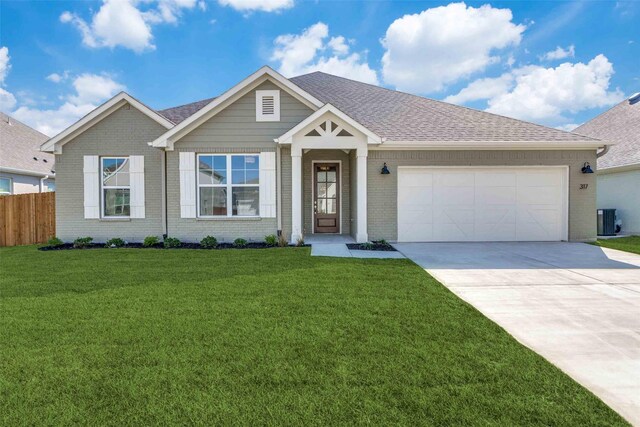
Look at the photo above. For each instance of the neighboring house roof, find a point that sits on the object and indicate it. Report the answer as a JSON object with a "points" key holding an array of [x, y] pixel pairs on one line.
{"points": [[620, 124], [181, 112], [19, 145]]}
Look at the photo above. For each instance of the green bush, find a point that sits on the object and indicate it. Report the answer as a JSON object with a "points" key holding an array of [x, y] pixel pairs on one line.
{"points": [[209, 242], [239, 243], [271, 240], [172, 242], [383, 242], [116, 242], [150, 241], [55, 241], [82, 242], [367, 246]]}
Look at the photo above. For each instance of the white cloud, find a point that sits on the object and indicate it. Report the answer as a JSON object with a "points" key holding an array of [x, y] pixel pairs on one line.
{"points": [[7, 100], [545, 95], [90, 91], [307, 52], [559, 53], [258, 5], [57, 77], [4, 63], [424, 52], [122, 23], [568, 127]]}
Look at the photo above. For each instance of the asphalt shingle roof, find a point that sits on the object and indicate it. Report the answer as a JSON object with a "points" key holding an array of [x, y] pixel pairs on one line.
{"points": [[620, 124], [19, 144], [399, 116]]}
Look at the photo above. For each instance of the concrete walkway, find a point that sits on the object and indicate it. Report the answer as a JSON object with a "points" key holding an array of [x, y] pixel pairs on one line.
{"points": [[576, 304]]}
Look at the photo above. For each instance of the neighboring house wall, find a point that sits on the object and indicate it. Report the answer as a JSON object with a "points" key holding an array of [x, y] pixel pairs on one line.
{"points": [[383, 189], [621, 191], [22, 184], [307, 186], [233, 130], [123, 133]]}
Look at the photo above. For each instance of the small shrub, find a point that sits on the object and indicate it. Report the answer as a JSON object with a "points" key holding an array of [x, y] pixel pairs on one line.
{"points": [[383, 242], [282, 241], [82, 242], [150, 241], [116, 242], [300, 241], [239, 243], [54, 242], [271, 240], [367, 246], [172, 242], [209, 242]]}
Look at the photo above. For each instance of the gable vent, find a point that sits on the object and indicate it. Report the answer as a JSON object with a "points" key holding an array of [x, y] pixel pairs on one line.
{"points": [[268, 105]]}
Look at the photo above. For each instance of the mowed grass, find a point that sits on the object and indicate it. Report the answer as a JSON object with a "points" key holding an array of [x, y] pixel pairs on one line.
{"points": [[628, 244], [254, 337]]}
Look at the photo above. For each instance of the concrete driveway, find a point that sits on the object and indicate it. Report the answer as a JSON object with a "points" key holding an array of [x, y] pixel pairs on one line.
{"points": [[576, 304]]}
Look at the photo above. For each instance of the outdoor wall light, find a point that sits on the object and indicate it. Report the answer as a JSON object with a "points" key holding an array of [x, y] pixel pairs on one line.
{"points": [[385, 170], [586, 168]]}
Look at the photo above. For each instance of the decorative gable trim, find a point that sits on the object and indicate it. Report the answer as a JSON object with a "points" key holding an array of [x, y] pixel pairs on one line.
{"points": [[265, 73], [54, 145], [329, 129]]}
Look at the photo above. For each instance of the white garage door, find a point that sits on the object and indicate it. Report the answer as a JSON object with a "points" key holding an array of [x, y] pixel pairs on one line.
{"points": [[482, 204]]}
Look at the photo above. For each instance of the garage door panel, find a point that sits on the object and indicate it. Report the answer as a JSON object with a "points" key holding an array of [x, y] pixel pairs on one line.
{"points": [[482, 204]]}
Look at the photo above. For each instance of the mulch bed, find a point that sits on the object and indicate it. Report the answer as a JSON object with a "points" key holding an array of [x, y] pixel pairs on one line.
{"points": [[250, 245], [375, 246]]}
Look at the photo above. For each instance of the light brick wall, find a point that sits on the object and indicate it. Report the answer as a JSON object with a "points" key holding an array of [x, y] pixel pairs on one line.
{"points": [[123, 133], [383, 189]]}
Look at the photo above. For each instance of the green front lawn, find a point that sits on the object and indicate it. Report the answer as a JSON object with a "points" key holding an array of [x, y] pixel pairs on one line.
{"points": [[254, 337], [628, 244]]}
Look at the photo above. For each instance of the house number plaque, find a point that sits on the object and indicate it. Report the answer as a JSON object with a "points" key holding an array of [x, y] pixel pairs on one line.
{"points": [[584, 186]]}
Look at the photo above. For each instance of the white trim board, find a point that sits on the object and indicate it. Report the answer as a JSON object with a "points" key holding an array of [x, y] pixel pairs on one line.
{"points": [[54, 145], [313, 193]]}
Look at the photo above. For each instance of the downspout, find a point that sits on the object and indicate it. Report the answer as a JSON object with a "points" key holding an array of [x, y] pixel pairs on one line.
{"points": [[604, 151], [42, 183], [279, 188]]}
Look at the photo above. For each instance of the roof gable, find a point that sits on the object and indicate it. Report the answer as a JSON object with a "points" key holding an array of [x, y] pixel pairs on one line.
{"points": [[220, 103], [54, 145], [20, 148]]}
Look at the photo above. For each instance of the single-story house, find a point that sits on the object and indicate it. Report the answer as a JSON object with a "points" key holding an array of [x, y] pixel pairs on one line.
{"points": [[318, 154], [619, 168], [23, 167]]}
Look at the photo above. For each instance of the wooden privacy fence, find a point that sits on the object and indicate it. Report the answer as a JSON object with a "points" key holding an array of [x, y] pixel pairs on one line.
{"points": [[26, 219]]}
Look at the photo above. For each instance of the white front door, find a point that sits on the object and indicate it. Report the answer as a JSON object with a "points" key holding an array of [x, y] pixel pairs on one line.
{"points": [[482, 204]]}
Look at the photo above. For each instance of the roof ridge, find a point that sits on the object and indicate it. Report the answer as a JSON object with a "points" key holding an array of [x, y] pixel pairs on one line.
{"points": [[449, 104]]}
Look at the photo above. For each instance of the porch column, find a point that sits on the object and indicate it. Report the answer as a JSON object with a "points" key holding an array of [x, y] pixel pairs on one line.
{"points": [[296, 194], [362, 235]]}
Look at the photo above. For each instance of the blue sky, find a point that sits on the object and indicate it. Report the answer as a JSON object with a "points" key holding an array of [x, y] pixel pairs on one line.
{"points": [[554, 63]]}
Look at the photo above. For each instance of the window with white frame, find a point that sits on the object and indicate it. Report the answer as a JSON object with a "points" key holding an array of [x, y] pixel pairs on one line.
{"points": [[228, 185], [268, 105], [116, 187], [6, 186]]}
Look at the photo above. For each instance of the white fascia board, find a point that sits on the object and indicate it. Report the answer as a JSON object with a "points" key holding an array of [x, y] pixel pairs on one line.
{"points": [[490, 145], [26, 172], [54, 145], [163, 141], [372, 138]]}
